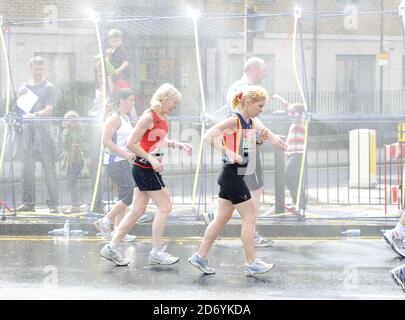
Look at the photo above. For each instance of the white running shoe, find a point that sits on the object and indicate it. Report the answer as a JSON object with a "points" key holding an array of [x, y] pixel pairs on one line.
{"points": [[114, 255], [102, 227], [201, 264], [129, 238], [395, 241], [261, 241], [162, 257], [257, 267]]}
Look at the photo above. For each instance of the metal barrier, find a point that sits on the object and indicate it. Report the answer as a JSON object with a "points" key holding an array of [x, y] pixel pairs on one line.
{"points": [[328, 169]]}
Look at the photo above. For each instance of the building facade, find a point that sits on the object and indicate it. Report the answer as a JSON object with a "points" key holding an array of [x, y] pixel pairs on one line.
{"points": [[341, 49]]}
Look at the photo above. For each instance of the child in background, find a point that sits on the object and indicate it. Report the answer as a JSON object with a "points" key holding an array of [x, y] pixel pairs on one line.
{"points": [[295, 148], [117, 58], [72, 157]]}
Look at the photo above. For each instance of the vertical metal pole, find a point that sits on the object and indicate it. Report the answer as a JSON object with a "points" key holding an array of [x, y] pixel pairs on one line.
{"points": [[398, 183], [245, 31], [381, 93], [327, 166], [248, 32], [315, 60], [385, 179], [337, 163], [279, 178]]}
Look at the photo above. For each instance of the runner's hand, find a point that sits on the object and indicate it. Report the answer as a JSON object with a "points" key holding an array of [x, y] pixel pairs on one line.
{"points": [[278, 142], [156, 164], [235, 158], [264, 134], [130, 156], [188, 148]]}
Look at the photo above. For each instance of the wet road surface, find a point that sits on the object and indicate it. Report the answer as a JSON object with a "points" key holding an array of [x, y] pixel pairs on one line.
{"points": [[69, 268]]}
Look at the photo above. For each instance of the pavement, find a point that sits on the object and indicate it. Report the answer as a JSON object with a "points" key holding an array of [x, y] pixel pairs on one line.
{"points": [[185, 221], [41, 267]]}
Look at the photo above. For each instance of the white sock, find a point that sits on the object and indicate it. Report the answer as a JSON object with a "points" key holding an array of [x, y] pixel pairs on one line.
{"points": [[115, 228], [106, 221], [154, 250], [112, 246]]}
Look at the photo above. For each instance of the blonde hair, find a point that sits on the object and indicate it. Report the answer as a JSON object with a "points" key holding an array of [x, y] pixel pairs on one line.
{"points": [[71, 114], [165, 92], [114, 33], [251, 94]]}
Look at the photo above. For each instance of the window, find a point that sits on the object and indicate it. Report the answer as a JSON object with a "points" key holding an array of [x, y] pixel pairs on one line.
{"points": [[355, 83], [60, 68], [360, 4], [355, 73], [256, 2], [403, 72], [146, 3], [157, 66]]}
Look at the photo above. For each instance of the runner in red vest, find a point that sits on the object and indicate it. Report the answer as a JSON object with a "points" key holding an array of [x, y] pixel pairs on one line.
{"points": [[146, 142]]}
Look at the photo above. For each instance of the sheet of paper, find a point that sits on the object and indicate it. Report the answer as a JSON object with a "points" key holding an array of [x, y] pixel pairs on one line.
{"points": [[27, 101]]}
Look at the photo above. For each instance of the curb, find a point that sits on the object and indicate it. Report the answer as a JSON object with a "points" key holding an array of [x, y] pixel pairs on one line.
{"points": [[197, 229]]}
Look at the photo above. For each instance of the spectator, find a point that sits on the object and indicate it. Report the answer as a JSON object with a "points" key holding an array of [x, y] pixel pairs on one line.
{"points": [[295, 148], [72, 157], [37, 139], [116, 61]]}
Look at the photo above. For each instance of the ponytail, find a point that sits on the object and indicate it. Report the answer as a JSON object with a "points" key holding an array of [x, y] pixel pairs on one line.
{"points": [[237, 100], [252, 93]]}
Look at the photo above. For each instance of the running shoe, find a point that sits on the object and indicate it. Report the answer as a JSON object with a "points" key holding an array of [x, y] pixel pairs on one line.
{"points": [[129, 238], [103, 227], [398, 275], [290, 208], [201, 264], [109, 236], [162, 257], [113, 255], [257, 267], [208, 216], [261, 241], [395, 242], [105, 236]]}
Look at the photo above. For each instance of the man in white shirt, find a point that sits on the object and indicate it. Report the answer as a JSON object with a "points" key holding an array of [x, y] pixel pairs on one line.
{"points": [[38, 140]]}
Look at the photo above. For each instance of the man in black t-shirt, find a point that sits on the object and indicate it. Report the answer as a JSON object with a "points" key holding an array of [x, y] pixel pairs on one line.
{"points": [[37, 138]]}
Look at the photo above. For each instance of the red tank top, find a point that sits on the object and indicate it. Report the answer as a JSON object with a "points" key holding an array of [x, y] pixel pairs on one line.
{"points": [[153, 136]]}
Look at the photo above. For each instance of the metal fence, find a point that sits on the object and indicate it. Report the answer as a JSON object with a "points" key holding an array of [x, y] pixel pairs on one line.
{"points": [[352, 103], [329, 165]]}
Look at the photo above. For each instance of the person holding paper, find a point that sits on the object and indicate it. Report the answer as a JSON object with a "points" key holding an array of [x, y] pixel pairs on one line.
{"points": [[38, 142]]}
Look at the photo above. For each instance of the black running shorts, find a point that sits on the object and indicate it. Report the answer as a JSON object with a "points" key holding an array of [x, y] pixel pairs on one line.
{"points": [[232, 185], [147, 179]]}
